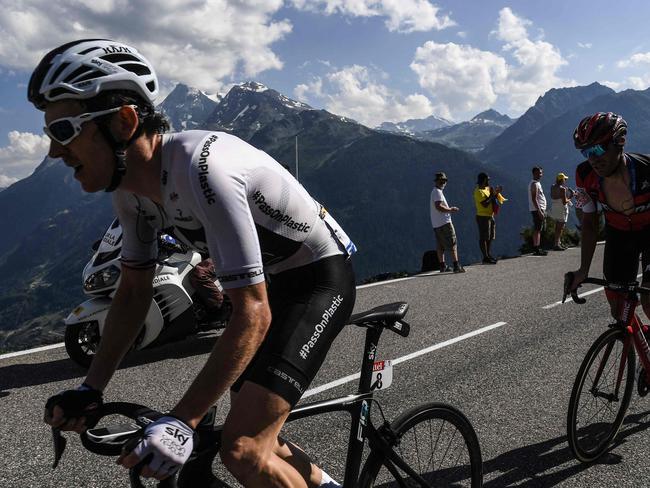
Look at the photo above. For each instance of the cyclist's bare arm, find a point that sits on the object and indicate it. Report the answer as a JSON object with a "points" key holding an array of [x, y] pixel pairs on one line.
{"points": [[123, 322], [233, 351], [126, 315], [588, 239]]}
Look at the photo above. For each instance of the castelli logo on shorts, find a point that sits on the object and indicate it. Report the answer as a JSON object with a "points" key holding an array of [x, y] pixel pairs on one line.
{"points": [[320, 327], [292, 381]]}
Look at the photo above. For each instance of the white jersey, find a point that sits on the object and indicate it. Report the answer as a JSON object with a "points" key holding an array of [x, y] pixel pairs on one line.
{"points": [[438, 218], [227, 199], [541, 199]]}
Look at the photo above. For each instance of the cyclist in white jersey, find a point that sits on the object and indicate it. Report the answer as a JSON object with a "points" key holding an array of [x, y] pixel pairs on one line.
{"points": [[224, 198]]}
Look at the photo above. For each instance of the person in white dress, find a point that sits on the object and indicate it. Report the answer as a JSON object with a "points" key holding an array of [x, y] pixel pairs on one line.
{"points": [[560, 201]]}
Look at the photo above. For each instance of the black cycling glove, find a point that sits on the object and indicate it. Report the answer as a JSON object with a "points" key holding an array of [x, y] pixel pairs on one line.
{"points": [[81, 402]]}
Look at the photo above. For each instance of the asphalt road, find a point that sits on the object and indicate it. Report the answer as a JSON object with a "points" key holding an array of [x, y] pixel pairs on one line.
{"points": [[513, 381]]}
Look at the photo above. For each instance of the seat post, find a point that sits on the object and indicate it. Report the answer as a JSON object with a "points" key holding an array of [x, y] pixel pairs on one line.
{"points": [[360, 413], [373, 333]]}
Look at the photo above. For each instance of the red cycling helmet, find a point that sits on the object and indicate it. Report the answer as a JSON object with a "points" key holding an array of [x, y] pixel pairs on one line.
{"points": [[600, 128]]}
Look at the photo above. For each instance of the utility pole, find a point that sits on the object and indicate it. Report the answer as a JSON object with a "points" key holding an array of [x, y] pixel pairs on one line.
{"points": [[296, 157]]}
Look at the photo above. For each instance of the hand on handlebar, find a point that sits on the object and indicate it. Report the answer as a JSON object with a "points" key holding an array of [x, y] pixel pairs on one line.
{"points": [[165, 446], [572, 281], [73, 409]]}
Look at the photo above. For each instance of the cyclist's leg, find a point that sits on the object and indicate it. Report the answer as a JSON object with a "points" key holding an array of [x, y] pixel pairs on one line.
{"points": [[645, 265], [249, 436], [310, 305], [293, 455], [620, 263]]}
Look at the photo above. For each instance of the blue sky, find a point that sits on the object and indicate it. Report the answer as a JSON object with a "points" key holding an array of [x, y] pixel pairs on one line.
{"points": [[371, 60]]}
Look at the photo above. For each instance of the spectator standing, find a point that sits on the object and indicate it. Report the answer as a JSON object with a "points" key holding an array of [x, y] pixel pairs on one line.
{"points": [[443, 226], [537, 207], [560, 200], [484, 198]]}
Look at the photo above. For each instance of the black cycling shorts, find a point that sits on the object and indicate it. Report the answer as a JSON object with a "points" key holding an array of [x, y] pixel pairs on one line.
{"points": [[622, 252], [309, 307]]}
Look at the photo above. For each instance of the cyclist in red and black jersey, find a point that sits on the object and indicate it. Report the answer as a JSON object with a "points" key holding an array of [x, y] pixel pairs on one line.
{"points": [[620, 183]]}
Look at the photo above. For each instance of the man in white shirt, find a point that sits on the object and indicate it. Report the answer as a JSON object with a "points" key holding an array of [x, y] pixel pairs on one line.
{"points": [[442, 225], [537, 207]]}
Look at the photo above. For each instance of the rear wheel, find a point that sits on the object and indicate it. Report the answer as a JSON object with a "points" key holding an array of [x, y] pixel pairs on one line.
{"points": [[437, 442], [599, 398], [81, 342]]}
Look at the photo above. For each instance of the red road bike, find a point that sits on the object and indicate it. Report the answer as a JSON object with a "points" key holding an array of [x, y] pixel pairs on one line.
{"points": [[603, 387]]}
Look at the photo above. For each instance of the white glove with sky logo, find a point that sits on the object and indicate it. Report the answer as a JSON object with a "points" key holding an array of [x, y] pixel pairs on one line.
{"points": [[170, 441]]}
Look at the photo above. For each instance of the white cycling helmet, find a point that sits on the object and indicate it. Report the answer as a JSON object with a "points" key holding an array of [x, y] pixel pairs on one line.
{"points": [[83, 69]]}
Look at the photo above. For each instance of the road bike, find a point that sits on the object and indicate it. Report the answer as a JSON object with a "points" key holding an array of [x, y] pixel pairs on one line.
{"points": [[430, 445], [603, 387]]}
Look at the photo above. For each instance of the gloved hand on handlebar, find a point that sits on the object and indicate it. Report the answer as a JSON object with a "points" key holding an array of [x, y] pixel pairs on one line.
{"points": [[73, 409], [168, 442]]}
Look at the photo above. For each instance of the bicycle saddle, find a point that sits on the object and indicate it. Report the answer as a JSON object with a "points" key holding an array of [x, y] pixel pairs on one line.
{"points": [[389, 313]]}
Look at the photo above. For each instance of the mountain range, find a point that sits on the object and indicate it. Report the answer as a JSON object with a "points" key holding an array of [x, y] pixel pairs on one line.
{"points": [[472, 135], [415, 126], [375, 183], [543, 135]]}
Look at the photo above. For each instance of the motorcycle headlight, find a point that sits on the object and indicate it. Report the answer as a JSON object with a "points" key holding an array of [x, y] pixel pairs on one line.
{"points": [[102, 279]]}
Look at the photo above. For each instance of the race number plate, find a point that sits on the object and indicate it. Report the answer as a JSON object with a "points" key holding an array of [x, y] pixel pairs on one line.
{"points": [[382, 375]]}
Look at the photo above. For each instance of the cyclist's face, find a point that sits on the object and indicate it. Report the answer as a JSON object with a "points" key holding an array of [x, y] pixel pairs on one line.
{"points": [[606, 164], [88, 153]]}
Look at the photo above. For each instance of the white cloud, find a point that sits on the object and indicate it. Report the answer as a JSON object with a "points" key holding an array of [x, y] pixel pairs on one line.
{"points": [[463, 80], [354, 92], [631, 82], [201, 43], [24, 152], [637, 59], [460, 78], [401, 15], [585, 45]]}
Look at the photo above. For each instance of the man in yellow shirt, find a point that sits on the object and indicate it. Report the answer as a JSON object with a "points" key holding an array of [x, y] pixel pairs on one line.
{"points": [[484, 198]]}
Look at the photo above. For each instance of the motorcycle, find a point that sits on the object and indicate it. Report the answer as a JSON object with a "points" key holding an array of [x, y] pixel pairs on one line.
{"points": [[176, 311]]}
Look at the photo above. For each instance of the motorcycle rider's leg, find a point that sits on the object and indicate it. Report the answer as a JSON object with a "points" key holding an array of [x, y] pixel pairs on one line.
{"points": [[294, 455]]}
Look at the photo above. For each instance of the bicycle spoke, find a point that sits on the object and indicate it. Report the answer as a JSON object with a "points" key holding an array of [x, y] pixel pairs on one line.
{"points": [[448, 462], [600, 396]]}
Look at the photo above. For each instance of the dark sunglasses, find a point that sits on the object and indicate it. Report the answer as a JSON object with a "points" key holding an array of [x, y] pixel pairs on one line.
{"points": [[596, 150], [65, 129]]}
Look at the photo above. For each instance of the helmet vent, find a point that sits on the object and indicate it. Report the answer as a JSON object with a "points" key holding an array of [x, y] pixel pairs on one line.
{"points": [[72, 77], [139, 68], [151, 85], [86, 51], [58, 91], [89, 76], [120, 58], [58, 72]]}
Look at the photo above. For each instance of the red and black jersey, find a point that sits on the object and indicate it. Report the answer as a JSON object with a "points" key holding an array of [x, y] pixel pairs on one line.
{"points": [[638, 166]]}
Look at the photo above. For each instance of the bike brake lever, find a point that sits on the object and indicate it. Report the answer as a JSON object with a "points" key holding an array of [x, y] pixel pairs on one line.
{"points": [[59, 446], [568, 281]]}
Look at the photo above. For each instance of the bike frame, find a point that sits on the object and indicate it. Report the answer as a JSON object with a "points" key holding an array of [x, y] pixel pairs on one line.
{"points": [[631, 324], [358, 406]]}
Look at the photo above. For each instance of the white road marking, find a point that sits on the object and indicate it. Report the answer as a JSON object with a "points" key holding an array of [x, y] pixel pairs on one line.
{"points": [[408, 357], [30, 351], [568, 300]]}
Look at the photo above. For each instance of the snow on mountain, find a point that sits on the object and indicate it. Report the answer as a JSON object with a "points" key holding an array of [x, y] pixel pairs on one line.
{"points": [[188, 108]]}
